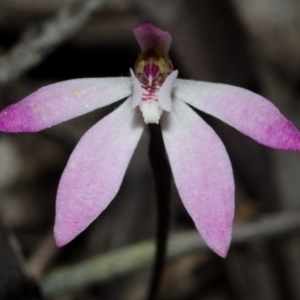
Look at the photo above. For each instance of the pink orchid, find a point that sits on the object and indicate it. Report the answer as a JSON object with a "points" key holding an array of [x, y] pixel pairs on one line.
{"points": [[198, 159]]}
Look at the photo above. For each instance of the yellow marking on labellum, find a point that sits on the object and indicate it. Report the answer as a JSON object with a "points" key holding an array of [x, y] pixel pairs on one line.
{"points": [[37, 108], [159, 59], [78, 93], [152, 67]]}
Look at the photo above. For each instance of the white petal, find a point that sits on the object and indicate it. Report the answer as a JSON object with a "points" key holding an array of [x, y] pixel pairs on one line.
{"points": [[202, 173], [137, 91], [244, 110], [151, 111], [62, 101], [164, 93], [95, 171]]}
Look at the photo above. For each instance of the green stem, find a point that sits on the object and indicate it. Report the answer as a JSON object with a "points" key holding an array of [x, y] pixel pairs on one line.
{"points": [[162, 179]]}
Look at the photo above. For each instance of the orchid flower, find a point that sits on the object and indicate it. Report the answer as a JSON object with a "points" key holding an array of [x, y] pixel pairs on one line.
{"points": [[200, 165]]}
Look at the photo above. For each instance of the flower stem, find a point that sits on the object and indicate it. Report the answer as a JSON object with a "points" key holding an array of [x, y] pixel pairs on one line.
{"points": [[162, 179]]}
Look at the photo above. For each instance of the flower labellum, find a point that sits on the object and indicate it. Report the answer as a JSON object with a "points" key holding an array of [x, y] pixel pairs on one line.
{"points": [[199, 161], [154, 77]]}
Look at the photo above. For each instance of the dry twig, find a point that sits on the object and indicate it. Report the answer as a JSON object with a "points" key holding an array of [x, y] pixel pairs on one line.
{"points": [[38, 41], [140, 256]]}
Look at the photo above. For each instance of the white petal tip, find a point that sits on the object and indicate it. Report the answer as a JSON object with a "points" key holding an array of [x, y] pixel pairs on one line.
{"points": [[151, 111]]}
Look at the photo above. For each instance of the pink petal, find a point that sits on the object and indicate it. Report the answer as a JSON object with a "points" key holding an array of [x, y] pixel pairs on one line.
{"points": [[149, 36], [202, 173], [62, 101], [95, 171], [246, 111]]}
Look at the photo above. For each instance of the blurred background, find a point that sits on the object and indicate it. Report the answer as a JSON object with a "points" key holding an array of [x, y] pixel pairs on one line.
{"points": [[253, 44]]}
